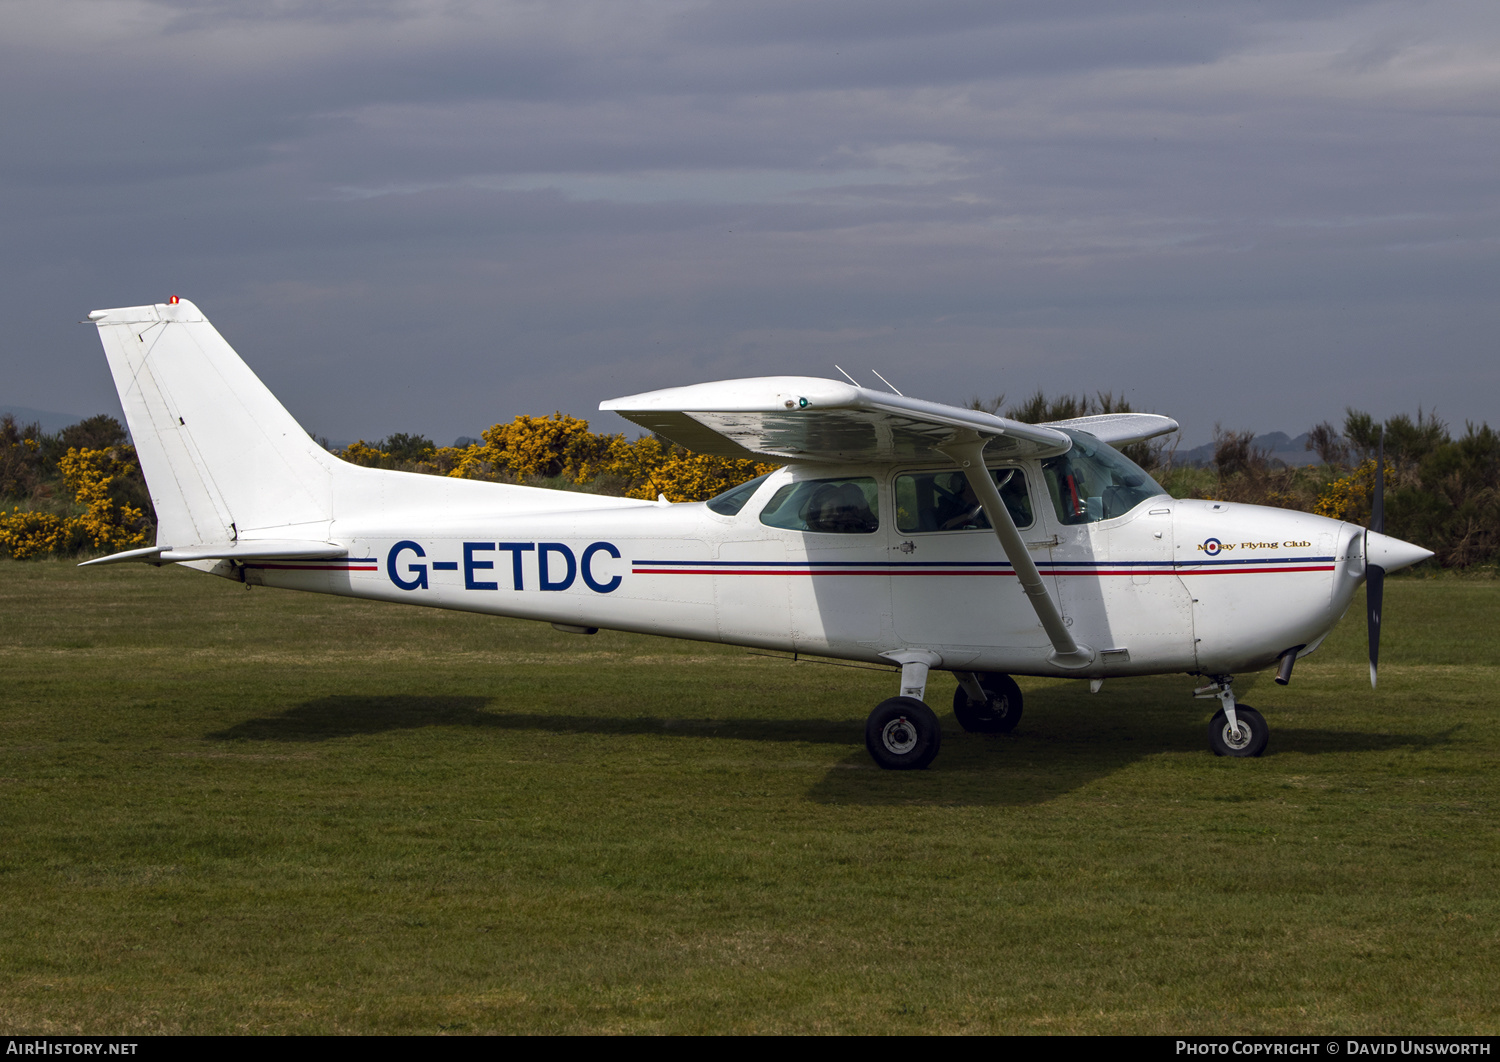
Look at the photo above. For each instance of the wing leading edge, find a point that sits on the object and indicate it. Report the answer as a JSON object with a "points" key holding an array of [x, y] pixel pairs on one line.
{"points": [[803, 418]]}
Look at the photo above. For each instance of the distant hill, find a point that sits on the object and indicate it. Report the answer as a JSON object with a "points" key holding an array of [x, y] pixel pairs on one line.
{"points": [[50, 422], [1279, 446]]}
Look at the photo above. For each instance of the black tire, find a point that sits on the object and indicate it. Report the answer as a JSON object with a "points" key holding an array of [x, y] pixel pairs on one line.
{"points": [[1250, 741], [1002, 712], [902, 734]]}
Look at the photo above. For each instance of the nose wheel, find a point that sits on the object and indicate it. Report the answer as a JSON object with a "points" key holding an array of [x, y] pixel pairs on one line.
{"points": [[1247, 736]]}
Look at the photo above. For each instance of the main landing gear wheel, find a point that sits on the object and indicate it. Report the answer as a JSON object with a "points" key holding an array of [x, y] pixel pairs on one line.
{"points": [[902, 734], [999, 715], [1249, 740]]}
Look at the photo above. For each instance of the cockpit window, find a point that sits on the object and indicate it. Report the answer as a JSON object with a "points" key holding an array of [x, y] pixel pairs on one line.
{"points": [[733, 500], [944, 501], [838, 506], [1093, 481]]}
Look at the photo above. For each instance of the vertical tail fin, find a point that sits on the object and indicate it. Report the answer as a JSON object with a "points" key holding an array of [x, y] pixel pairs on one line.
{"points": [[220, 454]]}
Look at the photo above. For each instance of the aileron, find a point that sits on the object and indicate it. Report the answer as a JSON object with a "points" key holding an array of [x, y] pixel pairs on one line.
{"points": [[1119, 429]]}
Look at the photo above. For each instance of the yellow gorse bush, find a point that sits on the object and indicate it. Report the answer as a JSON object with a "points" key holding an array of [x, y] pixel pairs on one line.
{"points": [[25, 534], [91, 473], [561, 446], [526, 448], [1349, 498], [650, 467], [533, 447], [362, 453], [103, 524], [696, 477]]}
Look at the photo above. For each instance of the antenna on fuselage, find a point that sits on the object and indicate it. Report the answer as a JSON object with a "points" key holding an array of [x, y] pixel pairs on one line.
{"points": [[886, 382], [851, 379]]}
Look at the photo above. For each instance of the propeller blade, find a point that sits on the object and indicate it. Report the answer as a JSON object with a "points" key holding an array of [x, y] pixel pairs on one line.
{"points": [[1374, 594], [1374, 573]]}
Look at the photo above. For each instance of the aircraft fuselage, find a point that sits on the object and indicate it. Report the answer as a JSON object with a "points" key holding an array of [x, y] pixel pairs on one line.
{"points": [[1173, 585]]}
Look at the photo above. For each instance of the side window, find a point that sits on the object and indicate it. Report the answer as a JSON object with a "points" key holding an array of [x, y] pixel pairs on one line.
{"points": [[836, 506], [943, 501]]}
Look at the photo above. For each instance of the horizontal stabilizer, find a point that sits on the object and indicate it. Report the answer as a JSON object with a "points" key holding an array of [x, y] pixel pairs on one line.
{"points": [[802, 418], [150, 555], [240, 551]]}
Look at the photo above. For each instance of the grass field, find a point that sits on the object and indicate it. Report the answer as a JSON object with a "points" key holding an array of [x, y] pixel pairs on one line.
{"points": [[224, 811]]}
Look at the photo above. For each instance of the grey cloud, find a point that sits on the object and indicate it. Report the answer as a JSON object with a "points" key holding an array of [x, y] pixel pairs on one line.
{"points": [[431, 216]]}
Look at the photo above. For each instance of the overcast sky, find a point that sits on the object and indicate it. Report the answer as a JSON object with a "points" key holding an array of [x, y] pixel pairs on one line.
{"points": [[430, 216]]}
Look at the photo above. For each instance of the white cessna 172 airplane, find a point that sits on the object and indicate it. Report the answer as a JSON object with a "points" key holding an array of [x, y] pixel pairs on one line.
{"points": [[899, 531]]}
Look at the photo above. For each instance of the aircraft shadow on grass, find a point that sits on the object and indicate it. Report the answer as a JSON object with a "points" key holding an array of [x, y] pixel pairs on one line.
{"points": [[1065, 749], [1035, 768], [347, 715]]}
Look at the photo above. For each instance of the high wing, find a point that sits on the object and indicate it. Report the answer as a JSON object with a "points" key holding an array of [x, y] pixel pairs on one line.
{"points": [[803, 418], [1118, 429]]}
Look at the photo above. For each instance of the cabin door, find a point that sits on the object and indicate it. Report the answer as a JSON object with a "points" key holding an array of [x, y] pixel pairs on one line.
{"points": [[951, 584]]}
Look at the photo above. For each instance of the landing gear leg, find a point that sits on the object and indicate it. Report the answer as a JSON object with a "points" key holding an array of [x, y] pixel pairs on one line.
{"points": [[902, 733], [1236, 729]]}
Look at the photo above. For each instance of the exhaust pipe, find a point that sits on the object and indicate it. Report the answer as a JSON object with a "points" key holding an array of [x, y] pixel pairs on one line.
{"points": [[1288, 658]]}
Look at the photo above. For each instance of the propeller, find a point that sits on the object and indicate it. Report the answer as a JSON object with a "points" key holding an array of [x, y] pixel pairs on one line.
{"points": [[1374, 573], [1382, 554]]}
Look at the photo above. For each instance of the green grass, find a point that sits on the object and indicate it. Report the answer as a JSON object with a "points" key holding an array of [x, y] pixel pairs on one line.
{"points": [[224, 811]]}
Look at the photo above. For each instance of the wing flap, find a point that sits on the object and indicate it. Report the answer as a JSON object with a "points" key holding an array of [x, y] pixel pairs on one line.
{"points": [[685, 431]]}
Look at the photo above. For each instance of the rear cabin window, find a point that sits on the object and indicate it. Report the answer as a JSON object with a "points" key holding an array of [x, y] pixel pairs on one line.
{"points": [[733, 500], [834, 506], [944, 501]]}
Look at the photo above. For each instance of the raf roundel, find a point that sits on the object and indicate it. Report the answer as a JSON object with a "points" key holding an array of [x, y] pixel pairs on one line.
{"points": [[1211, 546]]}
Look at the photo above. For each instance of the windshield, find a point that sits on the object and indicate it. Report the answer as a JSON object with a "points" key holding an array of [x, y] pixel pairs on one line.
{"points": [[1093, 481]]}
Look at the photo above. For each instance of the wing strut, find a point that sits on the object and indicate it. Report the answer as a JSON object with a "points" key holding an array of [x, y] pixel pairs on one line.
{"points": [[969, 454]]}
